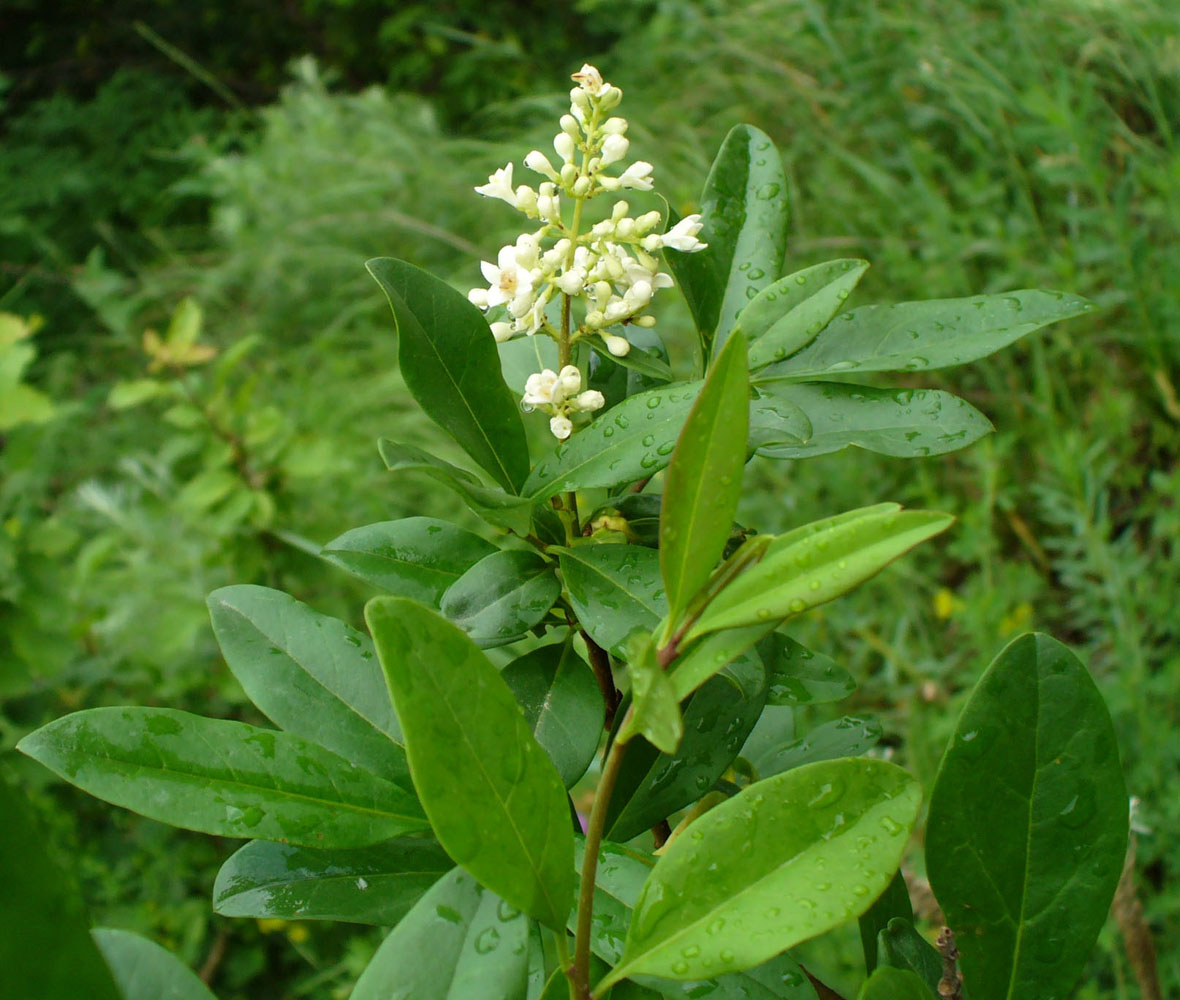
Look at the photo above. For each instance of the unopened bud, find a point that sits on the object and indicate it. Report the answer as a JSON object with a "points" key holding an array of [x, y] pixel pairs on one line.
{"points": [[618, 346]]}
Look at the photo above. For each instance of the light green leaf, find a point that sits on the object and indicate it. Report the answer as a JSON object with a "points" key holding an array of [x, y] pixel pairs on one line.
{"points": [[800, 677], [222, 777], [894, 984], [365, 885], [494, 799], [613, 589], [783, 861], [790, 313], [416, 557], [449, 360], [904, 423], [704, 479], [502, 596], [818, 562], [127, 394], [458, 943], [525, 356], [312, 675], [145, 971], [633, 440], [655, 711], [776, 420], [712, 654], [1027, 829], [918, 336]]}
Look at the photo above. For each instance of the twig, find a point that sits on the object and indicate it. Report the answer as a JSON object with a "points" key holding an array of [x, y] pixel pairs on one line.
{"points": [[216, 954], [1137, 940], [950, 987]]}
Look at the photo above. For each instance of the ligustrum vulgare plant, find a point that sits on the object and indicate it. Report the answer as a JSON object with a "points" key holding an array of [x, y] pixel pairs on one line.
{"points": [[413, 782]]}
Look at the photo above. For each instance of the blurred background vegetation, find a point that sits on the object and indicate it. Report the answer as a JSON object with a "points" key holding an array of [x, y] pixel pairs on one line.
{"points": [[218, 173]]}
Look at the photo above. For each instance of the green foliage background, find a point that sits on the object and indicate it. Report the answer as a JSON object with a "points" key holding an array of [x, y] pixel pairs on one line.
{"points": [[960, 146]]}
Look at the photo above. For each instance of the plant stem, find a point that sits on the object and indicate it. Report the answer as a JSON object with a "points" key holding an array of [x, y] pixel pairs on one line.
{"points": [[594, 831], [600, 664], [563, 959]]}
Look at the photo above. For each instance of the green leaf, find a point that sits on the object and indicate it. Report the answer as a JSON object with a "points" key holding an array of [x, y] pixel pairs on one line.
{"points": [[416, 557], [776, 420], [717, 719], [495, 506], [614, 589], [846, 737], [904, 423], [783, 861], [818, 562], [132, 392], [710, 655], [902, 947], [704, 479], [458, 943], [744, 223], [366, 885], [145, 971], [788, 315], [919, 336], [449, 360], [521, 357], [1028, 823], [800, 677], [45, 944], [633, 440], [222, 777], [645, 363], [893, 903], [894, 984], [502, 596], [562, 704], [495, 801], [311, 675], [655, 711]]}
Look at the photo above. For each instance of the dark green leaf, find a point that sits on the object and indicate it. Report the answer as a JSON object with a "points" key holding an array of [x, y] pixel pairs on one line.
{"points": [[310, 674], [776, 420], [641, 511], [651, 366], [783, 861], [655, 710], [222, 777], [562, 703], [704, 479], [145, 971], [904, 423], [458, 943], [894, 902], [366, 885], [744, 223], [618, 378], [800, 677], [495, 801], [449, 360], [917, 336], [416, 557], [45, 944], [788, 315], [846, 737], [894, 984], [502, 596], [614, 589], [634, 440], [902, 947], [1028, 823]]}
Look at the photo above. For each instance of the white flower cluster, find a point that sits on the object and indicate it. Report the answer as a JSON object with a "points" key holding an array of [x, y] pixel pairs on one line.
{"points": [[560, 394], [608, 266]]}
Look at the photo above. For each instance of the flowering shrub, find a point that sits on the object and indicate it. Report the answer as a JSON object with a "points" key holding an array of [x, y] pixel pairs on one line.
{"points": [[415, 783]]}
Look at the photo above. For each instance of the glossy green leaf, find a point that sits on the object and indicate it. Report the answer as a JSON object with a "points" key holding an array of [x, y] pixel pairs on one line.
{"points": [[365, 885], [222, 777], [521, 357], [449, 360], [644, 367], [458, 943], [614, 589], [416, 557], [704, 479], [744, 223], [902, 947], [893, 903], [502, 596], [654, 712], [649, 365], [800, 677], [846, 737], [1028, 823], [894, 984], [562, 704], [788, 314], [904, 423], [312, 675], [775, 420], [784, 860], [711, 655], [45, 944], [145, 971], [717, 719], [494, 505], [495, 801], [632, 441], [641, 511], [818, 562], [918, 336]]}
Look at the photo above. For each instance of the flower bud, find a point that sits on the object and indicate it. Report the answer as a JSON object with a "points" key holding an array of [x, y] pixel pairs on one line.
{"points": [[569, 383], [581, 186], [569, 125], [478, 297], [594, 319], [568, 174], [572, 282], [647, 221], [645, 321], [539, 162], [614, 149], [613, 126], [618, 346], [610, 98], [563, 142], [591, 399], [501, 331], [560, 427], [526, 200], [621, 208], [625, 228]]}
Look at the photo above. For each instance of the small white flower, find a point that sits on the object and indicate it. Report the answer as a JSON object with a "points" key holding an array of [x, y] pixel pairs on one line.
{"points": [[590, 80], [539, 163], [683, 235], [561, 427], [563, 142], [618, 346], [499, 185], [638, 295], [528, 251], [478, 297], [572, 282], [614, 149], [591, 399], [637, 176], [614, 126], [569, 382], [507, 281], [538, 388], [617, 310], [501, 331], [525, 200]]}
